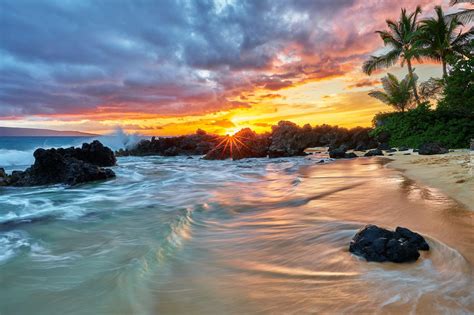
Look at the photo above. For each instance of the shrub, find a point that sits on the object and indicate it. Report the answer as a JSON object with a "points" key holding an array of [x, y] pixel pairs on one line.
{"points": [[450, 128]]}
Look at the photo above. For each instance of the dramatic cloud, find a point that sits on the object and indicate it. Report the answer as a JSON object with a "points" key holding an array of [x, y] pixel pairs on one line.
{"points": [[176, 57]]}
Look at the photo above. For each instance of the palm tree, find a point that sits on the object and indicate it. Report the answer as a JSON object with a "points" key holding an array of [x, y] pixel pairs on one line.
{"points": [[465, 15], [401, 38], [440, 39], [398, 94]]}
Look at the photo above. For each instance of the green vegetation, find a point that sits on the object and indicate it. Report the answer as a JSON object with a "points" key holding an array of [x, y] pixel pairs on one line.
{"points": [[398, 94], [452, 129], [451, 122], [401, 39], [459, 88], [441, 40]]}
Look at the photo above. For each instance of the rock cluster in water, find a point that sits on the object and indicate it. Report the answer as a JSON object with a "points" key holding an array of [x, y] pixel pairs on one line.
{"points": [[286, 139], [381, 245], [69, 166]]}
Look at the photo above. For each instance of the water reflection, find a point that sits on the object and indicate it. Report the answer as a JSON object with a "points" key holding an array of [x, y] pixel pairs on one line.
{"points": [[172, 235]]}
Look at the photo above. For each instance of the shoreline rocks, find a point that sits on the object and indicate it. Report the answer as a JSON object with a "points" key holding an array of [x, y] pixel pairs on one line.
{"points": [[431, 148], [374, 152], [69, 166], [285, 140], [380, 245]]}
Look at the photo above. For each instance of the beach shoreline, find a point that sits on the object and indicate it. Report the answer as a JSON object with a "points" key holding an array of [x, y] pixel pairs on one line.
{"points": [[452, 173]]}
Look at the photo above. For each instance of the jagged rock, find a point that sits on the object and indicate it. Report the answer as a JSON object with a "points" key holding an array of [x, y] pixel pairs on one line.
{"points": [[381, 245], [66, 166], [244, 144], [3, 177], [337, 154], [431, 148], [288, 140], [374, 152]]}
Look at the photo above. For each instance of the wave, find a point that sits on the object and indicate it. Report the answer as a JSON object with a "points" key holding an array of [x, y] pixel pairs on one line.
{"points": [[120, 139], [16, 158], [20, 155]]}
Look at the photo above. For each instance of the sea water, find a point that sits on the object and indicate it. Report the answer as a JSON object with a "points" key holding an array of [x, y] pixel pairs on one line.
{"points": [[178, 235]]}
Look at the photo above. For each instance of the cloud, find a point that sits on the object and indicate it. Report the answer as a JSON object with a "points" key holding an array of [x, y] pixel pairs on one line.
{"points": [[224, 123], [175, 58], [363, 83]]}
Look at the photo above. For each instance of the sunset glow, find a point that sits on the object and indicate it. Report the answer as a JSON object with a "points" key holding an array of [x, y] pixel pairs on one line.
{"points": [[236, 65]]}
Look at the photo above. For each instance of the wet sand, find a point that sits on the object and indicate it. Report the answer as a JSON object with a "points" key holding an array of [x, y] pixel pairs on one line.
{"points": [[452, 174]]}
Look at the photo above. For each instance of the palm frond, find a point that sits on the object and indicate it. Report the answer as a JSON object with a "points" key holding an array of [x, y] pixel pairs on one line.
{"points": [[379, 62], [381, 96], [465, 15], [454, 2]]}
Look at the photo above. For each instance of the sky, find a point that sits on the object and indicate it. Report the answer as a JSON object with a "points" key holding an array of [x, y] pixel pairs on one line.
{"points": [[169, 67]]}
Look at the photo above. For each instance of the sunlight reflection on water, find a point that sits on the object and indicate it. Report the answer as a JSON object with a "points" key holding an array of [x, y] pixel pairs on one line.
{"points": [[172, 235]]}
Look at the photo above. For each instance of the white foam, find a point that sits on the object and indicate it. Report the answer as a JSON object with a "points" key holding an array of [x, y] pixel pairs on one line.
{"points": [[11, 242], [10, 158], [120, 139]]}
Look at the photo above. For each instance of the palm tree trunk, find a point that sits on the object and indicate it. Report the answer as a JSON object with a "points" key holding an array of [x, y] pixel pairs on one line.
{"points": [[415, 91], [445, 71]]}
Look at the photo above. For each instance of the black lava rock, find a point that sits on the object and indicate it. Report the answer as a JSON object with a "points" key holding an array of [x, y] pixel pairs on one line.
{"points": [[381, 245], [402, 148], [350, 155], [374, 152], [384, 146], [69, 166], [337, 153], [431, 148]]}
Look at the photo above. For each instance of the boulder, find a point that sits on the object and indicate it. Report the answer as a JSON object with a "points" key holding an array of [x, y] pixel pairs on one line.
{"points": [[374, 152], [402, 148], [288, 139], [381, 245], [361, 147], [384, 146], [66, 166], [431, 148], [337, 153], [391, 150], [96, 153], [350, 155]]}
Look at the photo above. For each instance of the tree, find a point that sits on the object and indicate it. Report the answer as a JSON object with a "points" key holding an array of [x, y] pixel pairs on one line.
{"points": [[431, 89], [458, 93], [464, 15], [398, 94], [401, 39], [441, 39]]}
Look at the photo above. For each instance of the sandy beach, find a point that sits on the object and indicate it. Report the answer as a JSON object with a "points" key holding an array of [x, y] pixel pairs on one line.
{"points": [[451, 173]]}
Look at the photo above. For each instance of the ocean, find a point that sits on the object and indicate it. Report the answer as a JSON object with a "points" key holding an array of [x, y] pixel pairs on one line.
{"points": [[172, 235]]}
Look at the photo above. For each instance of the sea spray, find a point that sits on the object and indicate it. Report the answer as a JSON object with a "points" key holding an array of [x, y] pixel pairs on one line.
{"points": [[120, 139], [12, 158]]}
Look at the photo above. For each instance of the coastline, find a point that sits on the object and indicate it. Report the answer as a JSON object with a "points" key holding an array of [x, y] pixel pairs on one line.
{"points": [[451, 173]]}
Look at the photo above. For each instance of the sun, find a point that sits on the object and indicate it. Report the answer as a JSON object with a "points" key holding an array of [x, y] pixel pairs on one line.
{"points": [[232, 131]]}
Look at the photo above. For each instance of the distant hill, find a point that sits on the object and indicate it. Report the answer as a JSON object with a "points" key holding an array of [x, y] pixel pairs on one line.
{"points": [[32, 132]]}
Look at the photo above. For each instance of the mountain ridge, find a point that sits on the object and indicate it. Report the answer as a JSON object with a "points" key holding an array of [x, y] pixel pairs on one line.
{"points": [[37, 132]]}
